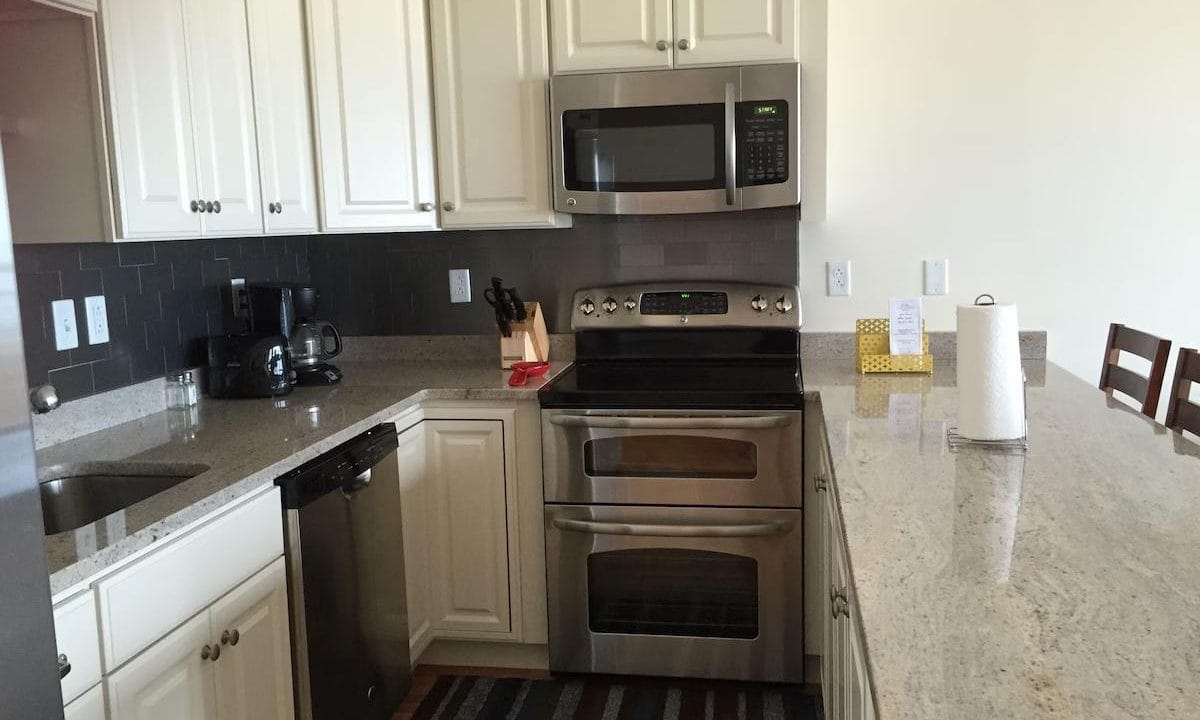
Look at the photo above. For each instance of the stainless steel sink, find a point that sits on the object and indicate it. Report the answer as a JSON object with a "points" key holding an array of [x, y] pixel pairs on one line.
{"points": [[76, 496]]}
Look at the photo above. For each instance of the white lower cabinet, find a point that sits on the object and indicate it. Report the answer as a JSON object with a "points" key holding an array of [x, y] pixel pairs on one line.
{"points": [[89, 706], [202, 671], [416, 503], [845, 679]]}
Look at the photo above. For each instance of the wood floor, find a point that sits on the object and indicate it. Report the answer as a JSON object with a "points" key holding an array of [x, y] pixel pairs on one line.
{"points": [[424, 676]]}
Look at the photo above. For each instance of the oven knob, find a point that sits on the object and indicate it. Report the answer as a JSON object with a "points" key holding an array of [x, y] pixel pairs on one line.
{"points": [[759, 303], [783, 304], [587, 307], [630, 304], [609, 305]]}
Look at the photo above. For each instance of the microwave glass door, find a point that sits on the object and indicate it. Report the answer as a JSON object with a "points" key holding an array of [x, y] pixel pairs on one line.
{"points": [[645, 149]]}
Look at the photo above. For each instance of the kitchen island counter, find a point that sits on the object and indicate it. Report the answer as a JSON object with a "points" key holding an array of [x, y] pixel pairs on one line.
{"points": [[1058, 583], [247, 444]]}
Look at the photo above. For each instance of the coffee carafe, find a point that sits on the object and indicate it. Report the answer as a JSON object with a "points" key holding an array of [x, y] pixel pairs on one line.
{"points": [[290, 309]]}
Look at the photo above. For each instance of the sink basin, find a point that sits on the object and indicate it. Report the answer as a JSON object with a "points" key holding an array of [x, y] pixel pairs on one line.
{"points": [[76, 496]]}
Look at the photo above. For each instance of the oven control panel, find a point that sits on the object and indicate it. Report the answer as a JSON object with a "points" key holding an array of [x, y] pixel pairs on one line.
{"points": [[689, 305], [682, 302]]}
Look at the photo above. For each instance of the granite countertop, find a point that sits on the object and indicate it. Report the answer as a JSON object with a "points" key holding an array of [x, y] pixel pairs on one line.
{"points": [[1059, 583], [246, 444]]}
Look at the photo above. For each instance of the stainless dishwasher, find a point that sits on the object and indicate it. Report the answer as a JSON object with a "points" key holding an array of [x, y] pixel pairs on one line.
{"points": [[345, 561]]}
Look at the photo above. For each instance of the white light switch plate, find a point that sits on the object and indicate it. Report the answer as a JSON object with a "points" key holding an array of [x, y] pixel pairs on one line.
{"points": [[460, 286], [937, 276], [66, 334], [97, 319]]}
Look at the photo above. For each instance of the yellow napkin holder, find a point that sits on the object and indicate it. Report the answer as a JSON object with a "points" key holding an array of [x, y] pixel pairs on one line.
{"points": [[874, 350]]}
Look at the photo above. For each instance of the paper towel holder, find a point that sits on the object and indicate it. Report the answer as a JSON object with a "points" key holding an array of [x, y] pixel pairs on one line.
{"points": [[991, 299], [1011, 447]]}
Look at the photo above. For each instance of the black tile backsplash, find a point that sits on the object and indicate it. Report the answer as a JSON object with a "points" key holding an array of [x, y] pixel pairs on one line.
{"points": [[163, 299], [399, 284]]}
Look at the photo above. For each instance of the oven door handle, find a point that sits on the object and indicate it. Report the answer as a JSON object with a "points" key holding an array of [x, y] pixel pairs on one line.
{"points": [[730, 144], [633, 422], [680, 531]]}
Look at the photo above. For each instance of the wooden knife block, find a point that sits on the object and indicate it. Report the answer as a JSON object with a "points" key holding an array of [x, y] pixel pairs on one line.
{"points": [[529, 341]]}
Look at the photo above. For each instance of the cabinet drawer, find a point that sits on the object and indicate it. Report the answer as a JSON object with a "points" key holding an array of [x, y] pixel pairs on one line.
{"points": [[155, 594], [78, 637]]}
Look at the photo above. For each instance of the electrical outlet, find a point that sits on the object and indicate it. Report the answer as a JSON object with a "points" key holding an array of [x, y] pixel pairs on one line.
{"points": [[937, 277], [238, 299], [460, 286], [66, 334], [97, 319], [837, 278]]}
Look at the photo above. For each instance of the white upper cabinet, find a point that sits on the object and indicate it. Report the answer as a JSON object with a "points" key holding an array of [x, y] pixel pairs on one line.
{"points": [[152, 137], [593, 35], [223, 115], [490, 67], [599, 35], [736, 32], [285, 142], [374, 121]]}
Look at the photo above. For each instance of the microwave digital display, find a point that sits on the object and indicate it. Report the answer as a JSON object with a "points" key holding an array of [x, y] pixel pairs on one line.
{"points": [[760, 110]]}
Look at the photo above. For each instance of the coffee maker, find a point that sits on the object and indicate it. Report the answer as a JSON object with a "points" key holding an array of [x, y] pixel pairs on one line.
{"points": [[290, 309]]}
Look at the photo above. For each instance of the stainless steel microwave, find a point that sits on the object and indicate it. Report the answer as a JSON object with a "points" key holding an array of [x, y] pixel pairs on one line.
{"points": [[677, 141]]}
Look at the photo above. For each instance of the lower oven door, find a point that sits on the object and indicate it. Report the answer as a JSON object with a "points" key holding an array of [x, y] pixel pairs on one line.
{"points": [[683, 592], [665, 457]]}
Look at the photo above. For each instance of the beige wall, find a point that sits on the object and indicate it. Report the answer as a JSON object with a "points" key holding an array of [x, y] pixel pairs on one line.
{"points": [[1049, 148]]}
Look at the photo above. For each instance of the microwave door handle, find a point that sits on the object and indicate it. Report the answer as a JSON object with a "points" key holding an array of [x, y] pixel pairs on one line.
{"points": [[730, 144], [625, 422], [678, 531]]}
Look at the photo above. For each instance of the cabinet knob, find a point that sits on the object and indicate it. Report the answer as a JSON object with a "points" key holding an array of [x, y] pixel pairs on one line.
{"points": [[230, 637], [64, 666], [821, 482], [684, 44], [217, 207], [279, 208], [662, 45], [195, 206], [206, 652], [208, 206], [448, 206], [426, 207]]}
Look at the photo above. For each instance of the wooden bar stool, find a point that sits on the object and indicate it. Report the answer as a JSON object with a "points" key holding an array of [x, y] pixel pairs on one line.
{"points": [[1182, 413], [1145, 390]]}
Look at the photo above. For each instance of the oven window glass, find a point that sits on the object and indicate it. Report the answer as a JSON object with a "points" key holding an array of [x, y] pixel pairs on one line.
{"points": [[671, 456], [692, 593], [645, 149]]}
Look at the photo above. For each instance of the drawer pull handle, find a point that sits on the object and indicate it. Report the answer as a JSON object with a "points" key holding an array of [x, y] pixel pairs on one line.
{"points": [[64, 667], [682, 531], [634, 422]]}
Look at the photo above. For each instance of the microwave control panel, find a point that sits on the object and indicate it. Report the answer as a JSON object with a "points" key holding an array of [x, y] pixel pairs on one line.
{"points": [[763, 142]]}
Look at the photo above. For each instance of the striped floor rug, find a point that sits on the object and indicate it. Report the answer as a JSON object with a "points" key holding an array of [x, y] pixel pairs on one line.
{"points": [[602, 698]]}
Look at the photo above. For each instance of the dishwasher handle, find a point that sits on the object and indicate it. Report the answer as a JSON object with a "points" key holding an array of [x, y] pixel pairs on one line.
{"points": [[357, 484]]}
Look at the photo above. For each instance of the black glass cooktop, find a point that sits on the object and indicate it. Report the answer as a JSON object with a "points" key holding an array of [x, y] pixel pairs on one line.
{"points": [[677, 384]]}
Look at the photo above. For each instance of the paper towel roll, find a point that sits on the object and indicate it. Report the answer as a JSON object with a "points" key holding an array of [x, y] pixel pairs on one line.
{"points": [[991, 391]]}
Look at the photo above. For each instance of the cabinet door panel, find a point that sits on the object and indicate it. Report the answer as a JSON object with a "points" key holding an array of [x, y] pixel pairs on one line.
{"points": [[223, 113], [254, 674], [89, 706], [374, 117], [490, 69], [152, 135], [417, 513], [470, 559], [736, 32], [169, 680], [285, 141], [591, 35]]}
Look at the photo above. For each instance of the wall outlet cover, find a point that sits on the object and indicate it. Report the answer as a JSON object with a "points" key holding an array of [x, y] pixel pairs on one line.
{"points": [[837, 278], [66, 333], [97, 319], [460, 286], [937, 277]]}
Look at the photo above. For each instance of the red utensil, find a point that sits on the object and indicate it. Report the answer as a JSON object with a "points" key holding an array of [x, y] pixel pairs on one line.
{"points": [[522, 371]]}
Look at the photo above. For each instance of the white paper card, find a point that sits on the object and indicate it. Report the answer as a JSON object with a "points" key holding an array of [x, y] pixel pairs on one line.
{"points": [[904, 315]]}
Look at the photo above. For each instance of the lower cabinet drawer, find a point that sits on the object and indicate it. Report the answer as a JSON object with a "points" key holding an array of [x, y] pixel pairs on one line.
{"points": [[143, 602], [89, 706], [78, 638]]}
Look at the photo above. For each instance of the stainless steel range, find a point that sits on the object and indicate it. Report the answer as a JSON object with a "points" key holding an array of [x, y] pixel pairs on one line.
{"points": [[672, 461]]}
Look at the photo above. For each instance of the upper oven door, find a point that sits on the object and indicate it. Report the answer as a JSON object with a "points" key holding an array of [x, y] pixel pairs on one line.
{"points": [[646, 142], [747, 459]]}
